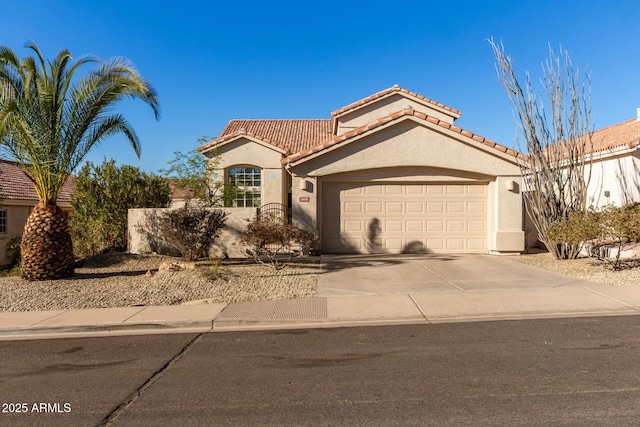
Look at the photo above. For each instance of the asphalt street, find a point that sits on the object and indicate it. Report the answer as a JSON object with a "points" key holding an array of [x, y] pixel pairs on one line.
{"points": [[581, 371]]}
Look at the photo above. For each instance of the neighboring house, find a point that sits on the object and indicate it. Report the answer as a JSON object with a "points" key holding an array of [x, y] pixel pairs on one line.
{"points": [[615, 176], [390, 173], [17, 199], [178, 195]]}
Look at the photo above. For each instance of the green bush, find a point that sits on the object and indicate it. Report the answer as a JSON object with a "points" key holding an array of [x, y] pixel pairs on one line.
{"points": [[576, 229], [610, 227], [101, 199], [12, 250], [192, 229]]}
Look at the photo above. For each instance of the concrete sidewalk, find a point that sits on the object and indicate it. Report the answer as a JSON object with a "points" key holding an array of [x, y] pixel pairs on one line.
{"points": [[441, 295], [414, 308]]}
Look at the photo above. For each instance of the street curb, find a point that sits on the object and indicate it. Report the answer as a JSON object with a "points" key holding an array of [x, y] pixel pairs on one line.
{"points": [[103, 330]]}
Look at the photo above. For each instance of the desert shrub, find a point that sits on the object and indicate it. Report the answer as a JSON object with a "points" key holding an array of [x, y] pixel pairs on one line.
{"points": [[269, 236], [101, 200], [610, 227], [620, 227], [11, 271], [12, 250], [576, 229], [214, 270], [192, 229]]}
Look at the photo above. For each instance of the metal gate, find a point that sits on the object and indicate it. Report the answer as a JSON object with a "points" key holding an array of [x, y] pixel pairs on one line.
{"points": [[274, 210]]}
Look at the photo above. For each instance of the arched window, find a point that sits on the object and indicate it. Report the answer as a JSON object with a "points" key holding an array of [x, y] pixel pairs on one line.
{"points": [[247, 182]]}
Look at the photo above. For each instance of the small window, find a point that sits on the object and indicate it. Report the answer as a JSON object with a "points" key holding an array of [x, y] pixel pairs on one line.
{"points": [[248, 182], [3, 221]]}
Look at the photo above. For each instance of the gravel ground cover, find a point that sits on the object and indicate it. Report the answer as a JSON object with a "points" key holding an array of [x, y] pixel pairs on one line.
{"points": [[121, 280], [583, 268]]}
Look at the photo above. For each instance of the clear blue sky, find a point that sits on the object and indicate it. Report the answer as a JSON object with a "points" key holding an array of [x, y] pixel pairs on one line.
{"points": [[215, 61]]}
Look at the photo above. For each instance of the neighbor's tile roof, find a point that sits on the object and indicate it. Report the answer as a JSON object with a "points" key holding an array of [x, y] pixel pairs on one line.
{"points": [[290, 135], [15, 185], [393, 117], [622, 134], [177, 193], [386, 92]]}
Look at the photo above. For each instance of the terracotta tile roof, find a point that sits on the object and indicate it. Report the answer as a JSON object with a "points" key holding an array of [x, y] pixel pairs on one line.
{"points": [[290, 135], [15, 185], [390, 118], [619, 135], [389, 91], [177, 193]]}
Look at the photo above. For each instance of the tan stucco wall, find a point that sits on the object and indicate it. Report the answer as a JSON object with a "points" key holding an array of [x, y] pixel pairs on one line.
{"points": [[17, 214], [411, 152], [409, 143], [16, 218], [505, 211], [305, 203], [384, 107], [144, 237], [245, 152]]}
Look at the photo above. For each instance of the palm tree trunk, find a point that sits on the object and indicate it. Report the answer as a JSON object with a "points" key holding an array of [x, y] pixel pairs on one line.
{"points": [[46, 249]]}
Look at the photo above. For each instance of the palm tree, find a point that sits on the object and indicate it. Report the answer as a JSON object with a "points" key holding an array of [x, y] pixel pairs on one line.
{"points": [[49, 120]]}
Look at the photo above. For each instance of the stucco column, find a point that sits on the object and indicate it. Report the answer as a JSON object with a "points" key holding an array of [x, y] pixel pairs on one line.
{"points": [[304, 201], [506, 215]]}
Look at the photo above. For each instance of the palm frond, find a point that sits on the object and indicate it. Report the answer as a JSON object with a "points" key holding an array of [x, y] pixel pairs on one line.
{"points": [[50, 119]]}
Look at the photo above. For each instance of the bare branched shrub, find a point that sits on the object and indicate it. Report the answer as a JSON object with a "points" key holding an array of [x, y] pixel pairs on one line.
{"points": [[269, 236], [192, 229], [557, 141]]}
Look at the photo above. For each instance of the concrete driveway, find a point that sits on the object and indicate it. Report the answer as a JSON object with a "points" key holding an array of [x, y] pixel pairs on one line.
{"points": [[359, 275]]}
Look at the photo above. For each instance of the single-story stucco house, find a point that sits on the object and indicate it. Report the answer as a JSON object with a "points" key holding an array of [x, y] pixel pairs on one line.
{"points": [[390, 173], [17, 199], [615, 168]]}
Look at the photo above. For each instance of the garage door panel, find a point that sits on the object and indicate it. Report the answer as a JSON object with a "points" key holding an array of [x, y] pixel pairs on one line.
{"points": [[435, 226], [393, 245], [479, 190], [456, 207], [373, 207], [477, 245], [435, 189], [393, 225], [456, 225], [394, 207], [435, 244], [414, 225], [373, 189], [455, 189], [353, 226], [415, 207], [401, 217], [415, 189], [476, 226], [435, 207], [478, 207], [352, 207], [455, 245]]}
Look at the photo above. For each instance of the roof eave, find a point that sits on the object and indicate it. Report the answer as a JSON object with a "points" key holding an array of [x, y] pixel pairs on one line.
{"points": [[242, 135], [407, 114]]}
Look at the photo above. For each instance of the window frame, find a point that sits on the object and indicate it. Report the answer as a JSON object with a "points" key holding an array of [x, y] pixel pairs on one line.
{"points": [[249, 185], [4, 221]]}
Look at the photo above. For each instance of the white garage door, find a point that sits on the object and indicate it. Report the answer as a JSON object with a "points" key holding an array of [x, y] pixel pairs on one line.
{"points": [[404, 218]]}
